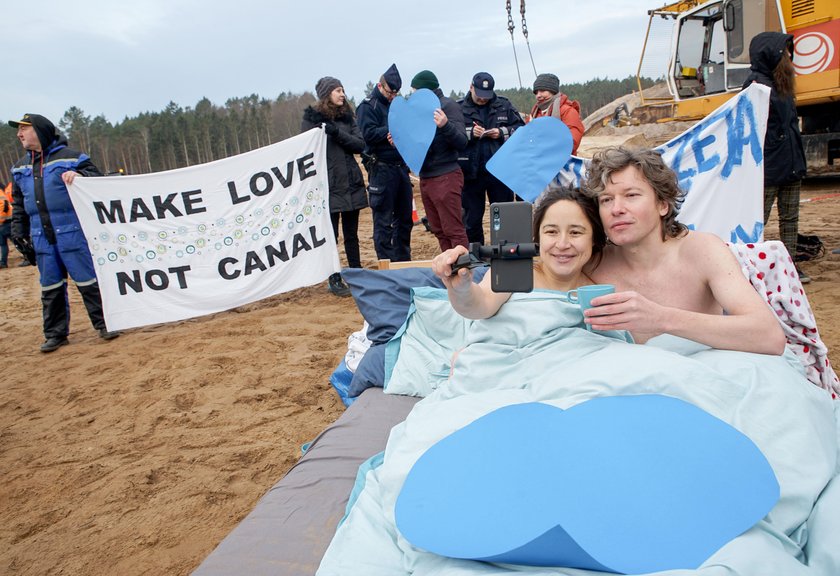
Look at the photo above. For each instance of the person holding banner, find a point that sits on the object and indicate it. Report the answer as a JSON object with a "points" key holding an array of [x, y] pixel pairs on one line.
{"points": [[347, 186], [43, 210], [771, 64], [668, 279]]}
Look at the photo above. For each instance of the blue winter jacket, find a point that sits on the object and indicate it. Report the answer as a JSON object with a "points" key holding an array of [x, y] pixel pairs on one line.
{"points": [[47, 207]]}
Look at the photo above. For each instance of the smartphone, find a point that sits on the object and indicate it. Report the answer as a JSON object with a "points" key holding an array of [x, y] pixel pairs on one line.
{"points": [[510, 223]]}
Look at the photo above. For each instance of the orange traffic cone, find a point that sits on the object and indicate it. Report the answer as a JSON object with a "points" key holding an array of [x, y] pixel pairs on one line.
{"points": [[414, 217]]}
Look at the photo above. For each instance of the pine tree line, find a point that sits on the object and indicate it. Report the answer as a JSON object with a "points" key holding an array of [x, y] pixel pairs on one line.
{"points": [[591, 95], [177, 137]]}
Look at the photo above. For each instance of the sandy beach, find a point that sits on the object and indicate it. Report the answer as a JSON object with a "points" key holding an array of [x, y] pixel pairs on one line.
{"points": [[138, 455]]}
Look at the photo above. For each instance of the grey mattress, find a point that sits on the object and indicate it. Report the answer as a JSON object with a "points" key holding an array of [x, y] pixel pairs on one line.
{"points": [[291, 526]]}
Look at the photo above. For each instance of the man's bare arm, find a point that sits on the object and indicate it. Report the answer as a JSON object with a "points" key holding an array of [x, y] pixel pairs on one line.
{"points": [[748, 324]]}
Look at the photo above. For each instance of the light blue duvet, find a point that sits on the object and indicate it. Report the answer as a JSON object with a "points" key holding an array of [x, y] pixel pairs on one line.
{"points": [[534, 350]]}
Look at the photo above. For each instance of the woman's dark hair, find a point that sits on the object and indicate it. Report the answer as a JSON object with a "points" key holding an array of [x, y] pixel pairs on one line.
{"points": [[331, 111], [659, 175], [784, 76], [557, 192]]}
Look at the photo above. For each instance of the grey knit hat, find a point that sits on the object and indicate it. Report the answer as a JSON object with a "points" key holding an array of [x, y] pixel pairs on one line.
{"points": [[548, 82], [325, 86]]}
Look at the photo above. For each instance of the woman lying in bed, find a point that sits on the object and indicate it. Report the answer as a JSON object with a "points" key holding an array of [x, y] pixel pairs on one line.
{"points": [[570, 236]]}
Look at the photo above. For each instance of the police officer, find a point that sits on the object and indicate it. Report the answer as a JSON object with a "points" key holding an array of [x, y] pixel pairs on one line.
{"points": [[389, 188], [489, 120], [43, 210]]}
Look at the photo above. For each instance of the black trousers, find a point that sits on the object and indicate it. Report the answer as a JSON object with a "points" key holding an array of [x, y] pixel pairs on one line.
{"points": [[350, 231], [391, 200], [473, 201], [56, 309]]}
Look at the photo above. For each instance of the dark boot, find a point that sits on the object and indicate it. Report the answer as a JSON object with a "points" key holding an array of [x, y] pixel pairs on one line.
{"points": [[51, 344], [56, 309], [337, 285], [93, 303]]}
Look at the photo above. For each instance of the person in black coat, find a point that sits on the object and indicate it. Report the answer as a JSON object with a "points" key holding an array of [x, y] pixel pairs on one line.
{"points": [[441, 178], [347, 186], [489, 120], [771, 64]]}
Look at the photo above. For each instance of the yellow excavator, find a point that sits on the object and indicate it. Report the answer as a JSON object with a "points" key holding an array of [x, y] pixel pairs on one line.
{"points": [[709, 61]]}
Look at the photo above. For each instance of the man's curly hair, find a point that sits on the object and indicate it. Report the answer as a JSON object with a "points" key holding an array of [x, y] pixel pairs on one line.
{"points": [[659, 175]]}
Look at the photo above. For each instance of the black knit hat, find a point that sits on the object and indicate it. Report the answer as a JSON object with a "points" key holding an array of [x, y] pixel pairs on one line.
{"points": [[392, 78], [425, 79], [325, 86], [548, 82]]}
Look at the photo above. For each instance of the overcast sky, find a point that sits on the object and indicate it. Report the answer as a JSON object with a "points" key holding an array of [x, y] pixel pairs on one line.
{"points": [[123, 58]]}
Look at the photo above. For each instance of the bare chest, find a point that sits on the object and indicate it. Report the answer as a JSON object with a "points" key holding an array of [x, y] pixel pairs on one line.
{"points": [[677, 285]]}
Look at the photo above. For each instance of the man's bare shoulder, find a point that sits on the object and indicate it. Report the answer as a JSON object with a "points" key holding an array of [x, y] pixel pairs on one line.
{"points": [[694, 244]]}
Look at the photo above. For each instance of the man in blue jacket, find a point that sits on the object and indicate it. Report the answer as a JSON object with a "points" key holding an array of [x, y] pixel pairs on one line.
{"points": [[489, 120], [389, 188], [43, 210]]}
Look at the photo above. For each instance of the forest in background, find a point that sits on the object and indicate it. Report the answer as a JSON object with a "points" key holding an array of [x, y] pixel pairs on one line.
{"points": [[177, 137]]}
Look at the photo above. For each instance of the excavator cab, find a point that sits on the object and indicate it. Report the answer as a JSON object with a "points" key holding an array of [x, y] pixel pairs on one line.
{"points": [[709, 61], [711, 53]]}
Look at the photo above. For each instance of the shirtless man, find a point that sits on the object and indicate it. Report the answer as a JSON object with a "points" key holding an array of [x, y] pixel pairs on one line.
{"points": [[668, 279]]}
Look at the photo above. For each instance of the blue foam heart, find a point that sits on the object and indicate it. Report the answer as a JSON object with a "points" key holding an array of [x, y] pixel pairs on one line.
{"points": [[533, 156], [412, 126], [628, 484]]}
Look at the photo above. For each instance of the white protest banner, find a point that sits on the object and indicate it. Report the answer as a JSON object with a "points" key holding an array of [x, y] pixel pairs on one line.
{"points": [[720, 165], [198, 240]]}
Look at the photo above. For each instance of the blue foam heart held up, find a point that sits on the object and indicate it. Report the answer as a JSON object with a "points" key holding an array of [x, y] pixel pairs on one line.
{"points": [[532, 156], [412, 125], [627, 484]]}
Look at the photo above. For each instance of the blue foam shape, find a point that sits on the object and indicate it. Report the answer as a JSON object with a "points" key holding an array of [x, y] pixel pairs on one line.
{"points": [[532, 156], [341, 378], [412, 125], [627, 484]]}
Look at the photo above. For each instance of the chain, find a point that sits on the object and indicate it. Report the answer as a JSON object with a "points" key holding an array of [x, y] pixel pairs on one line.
{"points": [[510, 18], [512, 43], [525, 33]]}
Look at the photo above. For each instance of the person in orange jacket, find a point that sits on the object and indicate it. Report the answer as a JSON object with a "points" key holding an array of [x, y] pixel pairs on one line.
{"points": [[5, 222], [552, 102]]}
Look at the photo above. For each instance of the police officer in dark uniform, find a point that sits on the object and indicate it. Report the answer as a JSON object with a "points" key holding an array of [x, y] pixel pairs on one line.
{"points": [[489, 120], [389, 188]]}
